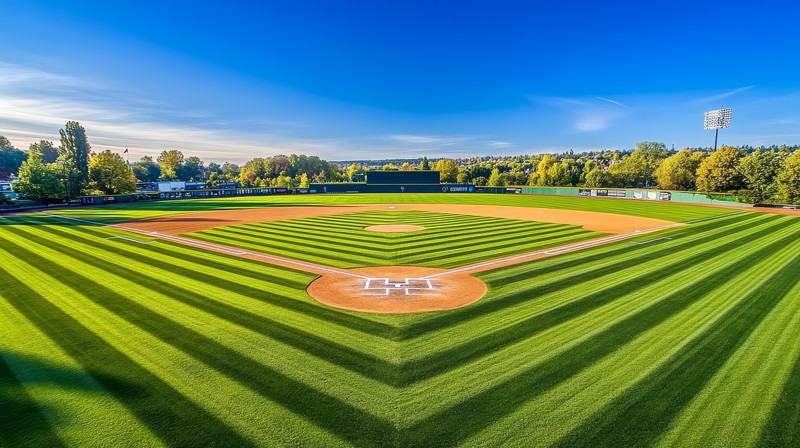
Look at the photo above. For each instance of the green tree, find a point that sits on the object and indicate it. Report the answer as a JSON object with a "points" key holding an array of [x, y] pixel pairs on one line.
{"points": [[543, 177], [74, 154], [425, 165], [46, 149], [462, 177], [211, 169], [390, 167], [759, 172], [630, 171], [678, 172], [283, 181], [109, 174], [41, 182], [494, 179], [304, 183], [788, 181], [230, 169], [354, 169], [596, 178], [191, 170], [170, 162], [638, 168], [10, 158], [719, 172], [146, 170], [448, 170]]}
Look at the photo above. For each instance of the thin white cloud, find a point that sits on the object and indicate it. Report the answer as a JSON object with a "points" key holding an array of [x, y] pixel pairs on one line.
{"points": [[591, 114], [498, 145], [710, 99], [592, 122], [429, 140], [613, 102], [35, 104], [13, 74]]}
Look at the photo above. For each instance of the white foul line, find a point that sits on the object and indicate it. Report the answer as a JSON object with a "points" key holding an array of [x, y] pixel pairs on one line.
{"points": [[128, 239]]}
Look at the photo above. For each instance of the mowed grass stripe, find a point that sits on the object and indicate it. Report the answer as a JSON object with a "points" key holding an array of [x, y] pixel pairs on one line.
{"points": [[499, 239], [313, 352], [23, 423], [197, 382], [78, 408], [562, 294], [181, 423], [487, 342], [567, 406], [335, 352], [457, 257], [476, 413], [283, 238], [342, 258], [648, 410], [518, 355], [735, 406], [578, 267], [341, 418], [492, 238], [256, 272]]}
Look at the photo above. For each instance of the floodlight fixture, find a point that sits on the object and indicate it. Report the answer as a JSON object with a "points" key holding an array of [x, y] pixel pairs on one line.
{"points": [[716, 120]]}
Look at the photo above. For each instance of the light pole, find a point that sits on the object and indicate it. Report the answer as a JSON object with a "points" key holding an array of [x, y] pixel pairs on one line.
{"points": [[716, 120]]}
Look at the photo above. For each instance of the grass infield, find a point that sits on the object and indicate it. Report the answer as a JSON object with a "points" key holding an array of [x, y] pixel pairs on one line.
{"points": [[688, 341]]}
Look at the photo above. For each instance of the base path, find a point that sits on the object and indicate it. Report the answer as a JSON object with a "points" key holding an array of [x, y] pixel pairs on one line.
{"points": [[595, 221]]}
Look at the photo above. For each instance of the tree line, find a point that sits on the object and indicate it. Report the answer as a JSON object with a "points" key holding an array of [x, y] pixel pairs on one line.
{"points": [[758, 175]]}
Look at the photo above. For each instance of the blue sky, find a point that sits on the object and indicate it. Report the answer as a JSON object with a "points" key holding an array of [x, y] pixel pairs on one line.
{"points": [[230, 81]]}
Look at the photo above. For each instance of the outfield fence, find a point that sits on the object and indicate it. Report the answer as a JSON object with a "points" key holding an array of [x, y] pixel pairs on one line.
{"points": [[356, 187]]}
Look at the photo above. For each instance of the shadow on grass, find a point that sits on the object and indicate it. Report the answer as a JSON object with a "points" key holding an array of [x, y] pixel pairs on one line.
{"points": [[343, 355], [783, 426], [185, 425], [442, 320], [174, 418], [440, 362], [647, 410], [480, 411], [22, 420]]}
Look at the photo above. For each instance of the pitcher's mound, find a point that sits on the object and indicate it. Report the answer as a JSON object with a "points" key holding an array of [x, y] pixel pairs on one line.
{"points": [[394, 228], [396, 289]]}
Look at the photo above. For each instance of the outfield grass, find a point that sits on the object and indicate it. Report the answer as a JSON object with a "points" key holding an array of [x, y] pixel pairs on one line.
{"points": [[144, 210], [690, 341], [447, 241]]}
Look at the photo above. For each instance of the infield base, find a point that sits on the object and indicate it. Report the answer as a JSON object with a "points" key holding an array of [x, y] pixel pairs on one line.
{"points": [[396, 289]]}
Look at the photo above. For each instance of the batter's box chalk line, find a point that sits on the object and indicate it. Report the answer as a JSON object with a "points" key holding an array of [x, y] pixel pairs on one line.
{"points": [[409, 287]]}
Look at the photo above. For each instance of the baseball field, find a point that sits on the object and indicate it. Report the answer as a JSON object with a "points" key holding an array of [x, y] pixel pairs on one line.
{"points": [[416, 320]]}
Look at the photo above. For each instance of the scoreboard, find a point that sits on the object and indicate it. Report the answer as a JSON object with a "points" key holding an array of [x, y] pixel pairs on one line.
{"points": [[402, 177]]}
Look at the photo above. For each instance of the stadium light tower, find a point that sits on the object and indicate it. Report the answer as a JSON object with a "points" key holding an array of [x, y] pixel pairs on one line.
{"points": [[717, 119]]}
